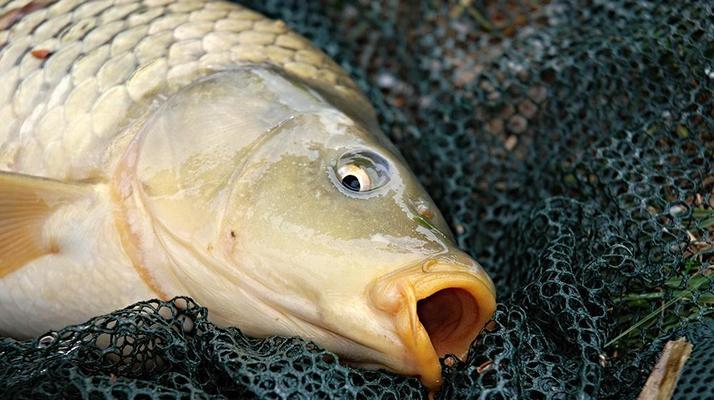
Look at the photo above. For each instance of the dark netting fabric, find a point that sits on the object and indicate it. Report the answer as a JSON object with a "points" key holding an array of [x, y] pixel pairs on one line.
{"points": [[570, 146]]}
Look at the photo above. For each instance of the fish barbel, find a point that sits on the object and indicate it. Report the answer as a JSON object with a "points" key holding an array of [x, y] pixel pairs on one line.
{"points": [[154, 148]]}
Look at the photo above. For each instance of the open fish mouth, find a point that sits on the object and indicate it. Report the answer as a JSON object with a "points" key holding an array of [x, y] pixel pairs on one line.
{"points": [[438, 308]]}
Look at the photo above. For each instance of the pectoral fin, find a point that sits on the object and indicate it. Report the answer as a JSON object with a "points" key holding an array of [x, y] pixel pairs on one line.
{"points": [[25, 204]]}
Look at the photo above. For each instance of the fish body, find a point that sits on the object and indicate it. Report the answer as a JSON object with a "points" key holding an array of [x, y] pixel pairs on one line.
{"points": [[153, 148]]}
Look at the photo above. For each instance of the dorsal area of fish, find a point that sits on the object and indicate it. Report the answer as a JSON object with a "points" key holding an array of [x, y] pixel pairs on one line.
{"points": [[76, 73]]}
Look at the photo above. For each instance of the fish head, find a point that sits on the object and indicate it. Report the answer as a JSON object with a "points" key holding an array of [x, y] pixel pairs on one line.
{"points": [[289, 215]]}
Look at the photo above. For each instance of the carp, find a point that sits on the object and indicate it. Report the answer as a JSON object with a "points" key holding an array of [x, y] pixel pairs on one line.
{"points": [[153, 148]]}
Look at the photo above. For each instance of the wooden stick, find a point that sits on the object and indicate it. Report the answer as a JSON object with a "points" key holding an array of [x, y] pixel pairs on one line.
{"points": [[663, 379]]}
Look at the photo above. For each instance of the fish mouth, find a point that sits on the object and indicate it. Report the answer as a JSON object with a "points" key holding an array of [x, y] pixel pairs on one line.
{"points": [[438, 308]]}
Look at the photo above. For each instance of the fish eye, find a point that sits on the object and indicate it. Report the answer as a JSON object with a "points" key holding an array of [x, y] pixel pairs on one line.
{"points": [[361, 172], [354, 178]]}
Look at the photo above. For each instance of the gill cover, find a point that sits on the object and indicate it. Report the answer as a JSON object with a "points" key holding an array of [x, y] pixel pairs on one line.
{"points": [[199, 138], [191, 169]]}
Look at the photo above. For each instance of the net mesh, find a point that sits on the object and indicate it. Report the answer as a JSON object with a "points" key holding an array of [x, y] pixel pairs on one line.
{"points": [[569, 145]]}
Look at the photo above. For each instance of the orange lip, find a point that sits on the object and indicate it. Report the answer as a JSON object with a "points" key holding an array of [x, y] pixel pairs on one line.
{"points": [[438, 308]]}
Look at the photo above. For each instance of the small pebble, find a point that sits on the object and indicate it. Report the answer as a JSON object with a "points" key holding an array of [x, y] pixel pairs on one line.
{"points": [[517, 124]]}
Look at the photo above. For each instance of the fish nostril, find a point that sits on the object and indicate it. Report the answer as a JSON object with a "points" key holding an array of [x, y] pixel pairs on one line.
{"points": [[424, 212], [451, 319], [428, 265]]}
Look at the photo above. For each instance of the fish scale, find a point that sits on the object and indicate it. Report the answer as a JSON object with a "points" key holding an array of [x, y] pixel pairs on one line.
{"points": [[107, 59]]}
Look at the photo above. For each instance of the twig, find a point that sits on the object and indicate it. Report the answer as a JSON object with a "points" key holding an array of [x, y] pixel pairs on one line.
{"points": [[663, 379]]}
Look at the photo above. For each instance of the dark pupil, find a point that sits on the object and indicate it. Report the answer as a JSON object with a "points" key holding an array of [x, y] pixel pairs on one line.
{"points": [[351, 182]]}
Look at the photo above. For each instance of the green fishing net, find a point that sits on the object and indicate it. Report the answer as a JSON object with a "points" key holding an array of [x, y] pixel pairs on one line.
{"points": [[570, 146]]}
